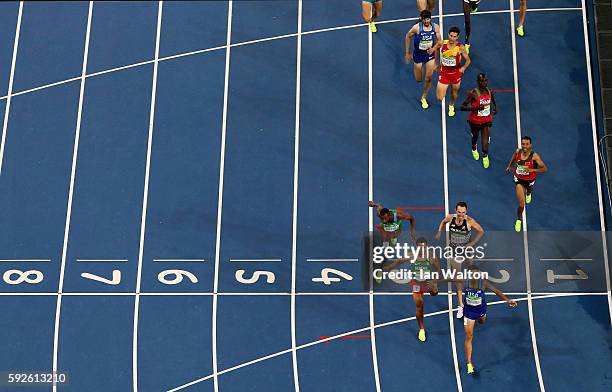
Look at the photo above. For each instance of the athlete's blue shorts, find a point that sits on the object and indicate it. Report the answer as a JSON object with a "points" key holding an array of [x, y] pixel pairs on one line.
{"points": [[475, 312], [421, 56]]}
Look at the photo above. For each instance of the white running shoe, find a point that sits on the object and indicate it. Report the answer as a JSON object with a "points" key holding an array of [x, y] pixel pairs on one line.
{"points": [[460, 312]]}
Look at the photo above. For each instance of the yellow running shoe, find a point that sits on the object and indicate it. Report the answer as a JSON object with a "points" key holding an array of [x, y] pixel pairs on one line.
{"points": [[520, 31], [528, 198], [476, 155], [470, 368], [517, 225], [467, 48], [451, 110], [485, 162], [422, 336], [373, 27], [424, 103]]}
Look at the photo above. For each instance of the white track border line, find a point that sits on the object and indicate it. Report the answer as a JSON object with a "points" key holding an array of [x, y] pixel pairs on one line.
{"points": [[143, 221], [595, 152], [451, 320], [228, 47], [255, 42], [296, 173], [75, 153], [9, 92], [245, 294], [534, 342], [371, 197], [320, 341]]}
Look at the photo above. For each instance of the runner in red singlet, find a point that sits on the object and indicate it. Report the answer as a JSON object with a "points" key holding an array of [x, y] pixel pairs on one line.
{"points": [[478, 103], [451, 70], [527, 165]]}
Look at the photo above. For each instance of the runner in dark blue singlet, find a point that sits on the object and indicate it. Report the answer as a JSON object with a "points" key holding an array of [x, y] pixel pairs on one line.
{"points": [[426, 39]]}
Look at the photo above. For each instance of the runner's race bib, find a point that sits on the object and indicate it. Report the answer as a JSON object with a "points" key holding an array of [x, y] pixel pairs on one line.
{"points": [[485, 112], [425, 44], [522, 170], [449, 61], [473, 301]]}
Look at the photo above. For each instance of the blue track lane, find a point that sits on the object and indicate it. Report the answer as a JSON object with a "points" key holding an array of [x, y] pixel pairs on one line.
{"points": [[50, 51], [8, 17], [121, 34]]}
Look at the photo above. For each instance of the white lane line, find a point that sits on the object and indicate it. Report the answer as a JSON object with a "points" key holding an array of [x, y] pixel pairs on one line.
{"points": [[493, 259], [585, 33], [180, 260], [566, 259], [145, 198], [246, 294], [9, 91], [451, 320], [296, 172], [104, 260], [220, 195], [75, 153], [321, 341], [371, 197], [331, 260], [525, 237], [254, 260], [24, 260], [255, 42]]}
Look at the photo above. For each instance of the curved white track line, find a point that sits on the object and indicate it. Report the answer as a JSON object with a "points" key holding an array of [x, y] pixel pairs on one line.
{"points": [[353, 332]]}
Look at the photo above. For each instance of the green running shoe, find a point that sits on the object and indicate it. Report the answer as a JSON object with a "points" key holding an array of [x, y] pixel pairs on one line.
{"points": [[422, 336], [470, 368]]}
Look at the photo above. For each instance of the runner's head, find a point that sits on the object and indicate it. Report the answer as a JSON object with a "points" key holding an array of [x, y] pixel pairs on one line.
{"points": [[526, 143], [482, 80], [461, 209], [453, 34], [426, 17], [421, 244], [386, 215]]}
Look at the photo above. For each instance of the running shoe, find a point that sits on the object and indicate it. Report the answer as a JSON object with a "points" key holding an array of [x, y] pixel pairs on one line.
{"points": [[520, 31], [460, 312], [373, 27], [528, 198], [451, 110], [476, 155], [470, 368], [422, 336], [485, 162], [424, 103], [517, 225]]}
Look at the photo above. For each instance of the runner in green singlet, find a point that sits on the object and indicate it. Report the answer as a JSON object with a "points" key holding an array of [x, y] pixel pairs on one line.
{"points": [[422, 267], [391, 223]]}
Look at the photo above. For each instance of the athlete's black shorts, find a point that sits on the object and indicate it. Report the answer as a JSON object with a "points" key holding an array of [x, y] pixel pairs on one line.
{"points": [[525, 183]]}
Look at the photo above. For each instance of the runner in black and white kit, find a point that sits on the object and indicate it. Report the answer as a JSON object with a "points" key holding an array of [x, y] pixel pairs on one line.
{"points": [[460, 227]]}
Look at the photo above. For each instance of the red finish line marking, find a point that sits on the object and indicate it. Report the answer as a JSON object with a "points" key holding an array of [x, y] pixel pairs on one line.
{"points": [[423, 208], [345, 337]]}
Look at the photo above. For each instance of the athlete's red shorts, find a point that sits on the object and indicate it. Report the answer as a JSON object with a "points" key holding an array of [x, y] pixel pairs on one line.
{"points": [[450, 77], [419, 287]]}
